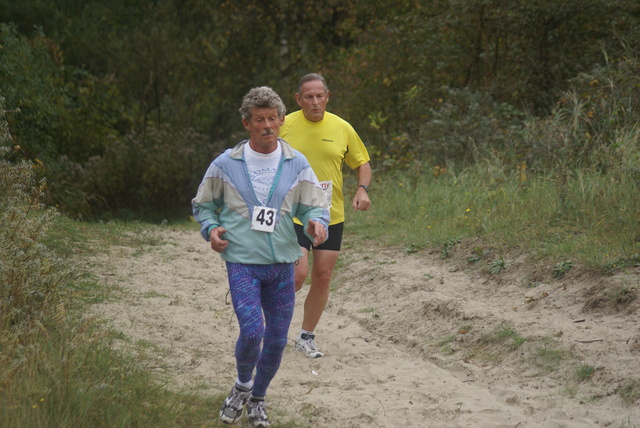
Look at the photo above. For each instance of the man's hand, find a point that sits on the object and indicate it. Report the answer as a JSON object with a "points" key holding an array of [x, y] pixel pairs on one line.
{"points": [[361, 201], [317, 231], [217, 243]]}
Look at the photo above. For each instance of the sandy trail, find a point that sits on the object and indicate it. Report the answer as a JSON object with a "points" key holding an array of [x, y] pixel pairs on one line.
{"points": [[402, 336]]}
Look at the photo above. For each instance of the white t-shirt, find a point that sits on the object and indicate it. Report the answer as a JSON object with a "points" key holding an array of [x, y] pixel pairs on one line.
{"points": [[262, 170]]}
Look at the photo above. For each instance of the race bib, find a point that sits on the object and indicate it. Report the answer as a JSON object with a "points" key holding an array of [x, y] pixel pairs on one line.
{"points": [[327, 186], [264, 219]]}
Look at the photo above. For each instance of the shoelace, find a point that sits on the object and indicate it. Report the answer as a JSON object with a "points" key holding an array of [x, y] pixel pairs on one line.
{"points": [[237, 398], [258, 410]]}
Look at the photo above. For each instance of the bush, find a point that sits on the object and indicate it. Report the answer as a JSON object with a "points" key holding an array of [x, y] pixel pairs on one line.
{"points": [[460, 125], [467, 126], [594, 126], [32, 82], [30, 275], [151, 175]]}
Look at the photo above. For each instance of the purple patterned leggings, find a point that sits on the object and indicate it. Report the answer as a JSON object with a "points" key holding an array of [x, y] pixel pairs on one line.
{"points": [[258, 289]]}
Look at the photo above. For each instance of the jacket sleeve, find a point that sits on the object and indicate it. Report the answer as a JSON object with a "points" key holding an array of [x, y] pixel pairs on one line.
{"points": [[312, 201], [208, 202]]}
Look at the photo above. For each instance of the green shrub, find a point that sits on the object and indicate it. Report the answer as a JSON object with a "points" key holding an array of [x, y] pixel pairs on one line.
{"points": [[32, 83], [151, 173], [461, 125], [466, 126], [594, 126], [31, 276]]}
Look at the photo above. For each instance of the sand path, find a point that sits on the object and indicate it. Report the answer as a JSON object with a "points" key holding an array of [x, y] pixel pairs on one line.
{"points": [[402, 337]]}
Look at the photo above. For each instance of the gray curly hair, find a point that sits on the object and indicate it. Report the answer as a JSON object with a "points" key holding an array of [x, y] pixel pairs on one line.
{"points": [[261, 97]]}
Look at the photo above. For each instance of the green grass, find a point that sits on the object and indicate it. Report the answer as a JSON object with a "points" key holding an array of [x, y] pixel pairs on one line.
{"points": [[630, 391], [585, 372], [561, 269], [69, 236], [71, 376], [548, 357], [370, 310], [564, 217], [493, 347]]}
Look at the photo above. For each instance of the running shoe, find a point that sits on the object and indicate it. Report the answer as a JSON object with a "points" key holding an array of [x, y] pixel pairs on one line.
{"points": [[257, 412], [233, 405], [307, 346]]}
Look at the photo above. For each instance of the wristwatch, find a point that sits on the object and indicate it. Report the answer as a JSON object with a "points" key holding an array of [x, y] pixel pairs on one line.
{"points": [[364, 187]]}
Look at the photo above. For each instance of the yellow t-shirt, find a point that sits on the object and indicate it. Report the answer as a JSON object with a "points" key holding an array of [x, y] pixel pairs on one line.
{"points": [[326, 145]]}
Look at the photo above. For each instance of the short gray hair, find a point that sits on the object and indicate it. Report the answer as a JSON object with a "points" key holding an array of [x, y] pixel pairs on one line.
{"points": [[310, 78], [261, 97]]}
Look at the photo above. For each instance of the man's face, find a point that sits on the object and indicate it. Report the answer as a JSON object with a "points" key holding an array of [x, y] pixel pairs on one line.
{"points": [[313, 99], [264, 127]]}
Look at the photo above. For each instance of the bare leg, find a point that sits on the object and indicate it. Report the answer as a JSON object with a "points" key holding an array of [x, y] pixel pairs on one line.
{"points": [[301, 269], [323, 263]]}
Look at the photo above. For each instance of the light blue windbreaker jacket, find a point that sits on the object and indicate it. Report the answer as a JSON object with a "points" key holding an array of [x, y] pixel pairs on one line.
{"points": [[226, 198]]}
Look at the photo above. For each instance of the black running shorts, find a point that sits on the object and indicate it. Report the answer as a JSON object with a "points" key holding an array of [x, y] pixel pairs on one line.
{"points": [[333, 243]]}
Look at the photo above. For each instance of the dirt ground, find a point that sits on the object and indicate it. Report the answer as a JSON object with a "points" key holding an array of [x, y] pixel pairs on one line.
{"points": [[411, 340]]}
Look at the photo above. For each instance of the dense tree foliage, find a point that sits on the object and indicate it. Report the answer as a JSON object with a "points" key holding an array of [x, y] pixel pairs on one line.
{"points": [[123, 103]]}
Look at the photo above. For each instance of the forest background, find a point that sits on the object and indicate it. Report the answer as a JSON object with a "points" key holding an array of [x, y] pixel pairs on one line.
{"points": [[121, 105]]}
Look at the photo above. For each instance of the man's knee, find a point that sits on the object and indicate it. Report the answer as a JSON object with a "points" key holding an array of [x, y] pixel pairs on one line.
{"points": [[325, 274], [251, 338], [321, 281], [299, 283]]}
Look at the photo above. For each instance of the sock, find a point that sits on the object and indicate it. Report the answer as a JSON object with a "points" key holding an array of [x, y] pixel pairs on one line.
{"points": [[302, 331], [247, 385]]}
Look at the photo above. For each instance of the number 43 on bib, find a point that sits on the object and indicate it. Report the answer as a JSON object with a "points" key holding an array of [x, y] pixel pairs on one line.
{"points": [[264, 219]]}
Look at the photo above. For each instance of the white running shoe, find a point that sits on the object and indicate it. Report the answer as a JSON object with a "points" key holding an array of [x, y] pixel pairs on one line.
{"points": [[307, 346], [257, 412], [233, 405]]}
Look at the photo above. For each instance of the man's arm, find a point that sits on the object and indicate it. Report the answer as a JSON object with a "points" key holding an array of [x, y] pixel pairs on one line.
{"points": [[361, 199], [312, 203], [207, 202]]}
